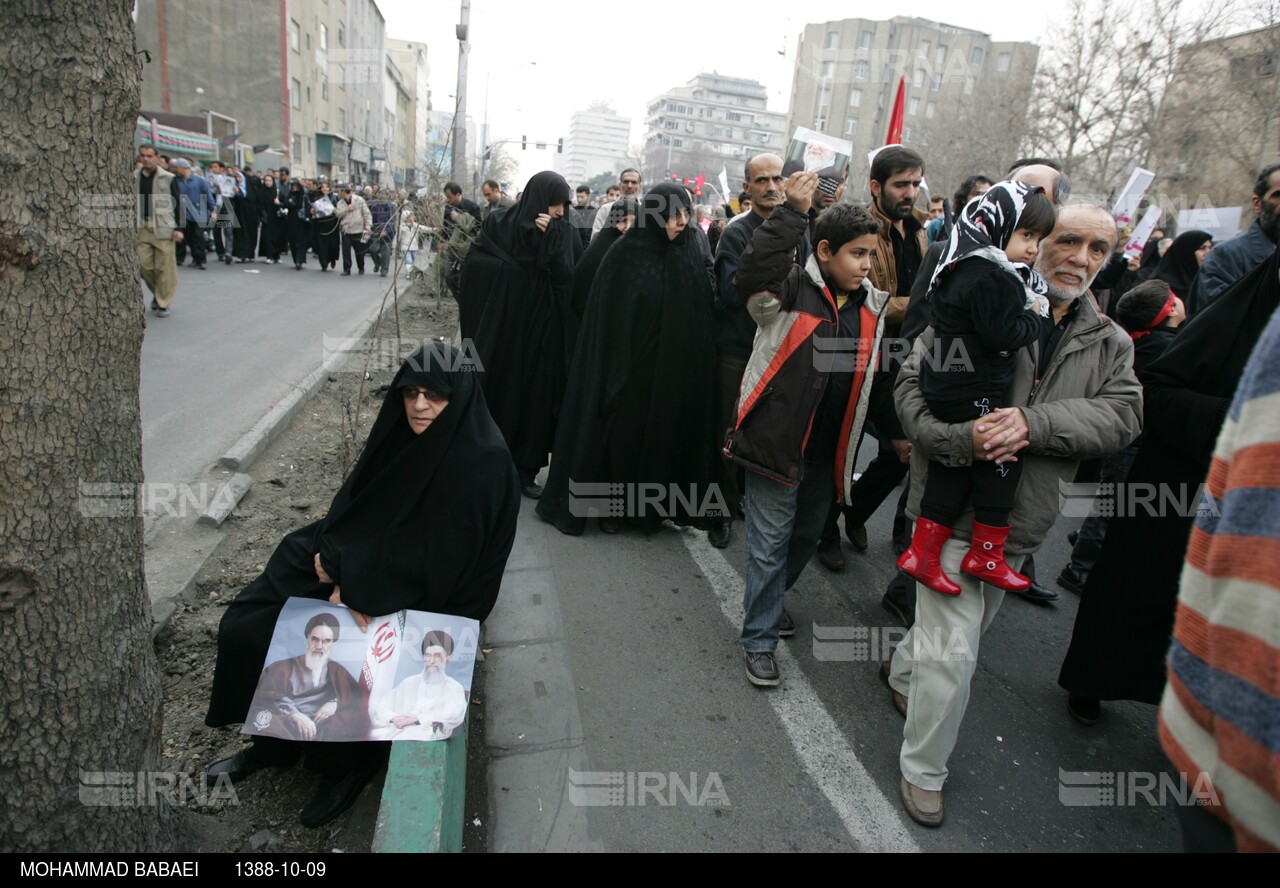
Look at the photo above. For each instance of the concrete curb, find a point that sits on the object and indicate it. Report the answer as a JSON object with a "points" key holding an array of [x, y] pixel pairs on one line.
{"points": [[173, 569], [423, 797], [277, 419]]}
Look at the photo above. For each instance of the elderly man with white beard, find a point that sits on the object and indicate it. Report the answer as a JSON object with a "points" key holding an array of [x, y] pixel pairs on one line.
{"points": [[426, 706], [1073, 397]]}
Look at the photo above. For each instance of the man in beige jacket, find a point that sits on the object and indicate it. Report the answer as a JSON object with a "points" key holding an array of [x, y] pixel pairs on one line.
{"points": [[356, 224], [159, 228]]}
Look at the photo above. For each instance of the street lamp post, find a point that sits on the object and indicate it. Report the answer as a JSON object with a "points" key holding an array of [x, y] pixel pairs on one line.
{"points": [[460, 112]]}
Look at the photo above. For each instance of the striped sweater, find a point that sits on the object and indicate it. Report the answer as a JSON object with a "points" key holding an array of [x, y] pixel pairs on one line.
{"points": [[1220, 716]]}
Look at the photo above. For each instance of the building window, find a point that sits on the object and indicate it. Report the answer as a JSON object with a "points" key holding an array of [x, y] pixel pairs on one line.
{"points": [[324, 87], [929, 109], [324, 126], [820, 123], [864, 39], [824, 96], [851, 126], [937, 82], [833, 39], [294, 39], [679, 143], [307, 37], [1003, 60], [324, 37], [922, 51], [308, 95], [297, 148], [688, 127], [860, 69], [913, 106], [918, 80], [975, 56], [828, 70], [671, 125], [342, 120], [940, 57], [295, 93], [342, 35], [855, 98]]}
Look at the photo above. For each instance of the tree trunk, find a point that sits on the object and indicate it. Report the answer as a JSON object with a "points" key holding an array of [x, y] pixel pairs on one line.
{"points": [[81, 691]]}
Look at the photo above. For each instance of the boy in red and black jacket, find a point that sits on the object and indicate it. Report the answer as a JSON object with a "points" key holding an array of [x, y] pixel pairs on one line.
{"points": [[806, 395]]}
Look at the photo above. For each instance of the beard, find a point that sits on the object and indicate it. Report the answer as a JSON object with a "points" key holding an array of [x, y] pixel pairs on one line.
{"points": [[316, 661], [432, 674], [1269, 222]]}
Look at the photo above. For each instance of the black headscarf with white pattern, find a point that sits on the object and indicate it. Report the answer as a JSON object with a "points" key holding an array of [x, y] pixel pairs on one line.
{"points": [[984, 228]]}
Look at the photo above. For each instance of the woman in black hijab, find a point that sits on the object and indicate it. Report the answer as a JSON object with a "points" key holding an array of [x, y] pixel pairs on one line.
{"points": [[513, 306], [425, 521], [1181, 262], [273, 213], [640, 405], [1126, 614], [324, 226], [620, 219]]}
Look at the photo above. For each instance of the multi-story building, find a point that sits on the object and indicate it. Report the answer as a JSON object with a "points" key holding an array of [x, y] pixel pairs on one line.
{"points": [[597, 143], [713, 121], [847, 73], [1207, 151], [410, 58], [305, 77]]}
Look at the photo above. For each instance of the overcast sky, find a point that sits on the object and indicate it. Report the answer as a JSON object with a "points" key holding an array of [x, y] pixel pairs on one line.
{"points": [[587, 50]]}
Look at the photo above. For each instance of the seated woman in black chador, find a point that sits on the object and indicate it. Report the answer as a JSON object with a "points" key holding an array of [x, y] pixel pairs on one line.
{"points": [[425, 521]]}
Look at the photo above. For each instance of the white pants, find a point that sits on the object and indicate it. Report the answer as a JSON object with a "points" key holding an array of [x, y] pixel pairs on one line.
{"points": [[935, 664]]}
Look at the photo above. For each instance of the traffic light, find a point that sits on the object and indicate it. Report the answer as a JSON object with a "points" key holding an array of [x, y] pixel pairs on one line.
{"points": [[560, 147], [524, 143], [697, 185]]}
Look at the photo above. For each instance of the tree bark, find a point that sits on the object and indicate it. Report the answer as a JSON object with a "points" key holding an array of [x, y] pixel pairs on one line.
{"points": [[81, 691]]}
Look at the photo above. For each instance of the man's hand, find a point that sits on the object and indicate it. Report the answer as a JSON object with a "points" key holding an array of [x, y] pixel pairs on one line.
{"points": [[799, 189], [902, 447], [403, 721], [543, 220], [362, 620], [1000, 434], [306, 727], [177, 236], [326, 711]]}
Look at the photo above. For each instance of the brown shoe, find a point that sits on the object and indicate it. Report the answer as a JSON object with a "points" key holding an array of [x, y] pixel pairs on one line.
{"points": [[832, 559], [899, 700], [857, 537], [924, 806]]}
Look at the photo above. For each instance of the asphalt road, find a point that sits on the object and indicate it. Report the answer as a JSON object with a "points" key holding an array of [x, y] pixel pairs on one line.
{"points": [[237, 339], [702, 760]]}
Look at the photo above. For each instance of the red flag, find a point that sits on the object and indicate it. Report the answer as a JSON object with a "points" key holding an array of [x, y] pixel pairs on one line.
{"points": [[899, 112]]}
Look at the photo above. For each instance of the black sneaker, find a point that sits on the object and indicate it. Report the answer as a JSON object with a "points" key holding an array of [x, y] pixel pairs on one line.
{"points": [[1071, 581], [1085, 710], [718, 535], [787, 626], [762, 669]]}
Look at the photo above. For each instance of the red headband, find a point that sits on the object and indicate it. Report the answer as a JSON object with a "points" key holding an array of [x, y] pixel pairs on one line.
{"points": [[1159, 319]]}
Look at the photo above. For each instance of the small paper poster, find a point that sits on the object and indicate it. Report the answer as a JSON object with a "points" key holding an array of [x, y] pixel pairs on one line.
{"points": [[1126, 206], [815, 152], [407, 677]]}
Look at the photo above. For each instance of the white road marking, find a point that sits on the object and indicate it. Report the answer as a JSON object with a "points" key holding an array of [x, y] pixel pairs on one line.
{"points": [[873, 821]]}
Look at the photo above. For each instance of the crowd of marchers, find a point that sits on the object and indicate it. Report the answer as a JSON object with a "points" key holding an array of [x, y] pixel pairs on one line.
{"points": [[998, 347]]}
